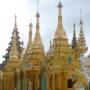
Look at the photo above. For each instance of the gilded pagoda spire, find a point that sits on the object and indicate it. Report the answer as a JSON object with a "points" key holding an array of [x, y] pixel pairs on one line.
{"points": [[37, 39], [59, 12], [29, 46], [14, 51], [14, 48], [60, 33], [60, 39], [81, 40], [38, 53], [74, 40]]}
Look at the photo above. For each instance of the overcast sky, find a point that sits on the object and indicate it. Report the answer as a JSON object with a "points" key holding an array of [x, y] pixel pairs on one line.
{"points": [[26, 10]]}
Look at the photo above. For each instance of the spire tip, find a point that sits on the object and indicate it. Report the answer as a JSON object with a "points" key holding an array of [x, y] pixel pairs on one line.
{"points": [[30, 25], [37, 14], [15, 23], [74, 27], [60, 4], [81, 22]]}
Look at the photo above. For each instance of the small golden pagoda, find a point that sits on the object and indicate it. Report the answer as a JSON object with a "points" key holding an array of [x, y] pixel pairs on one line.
{"points": [[31, 69]]}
